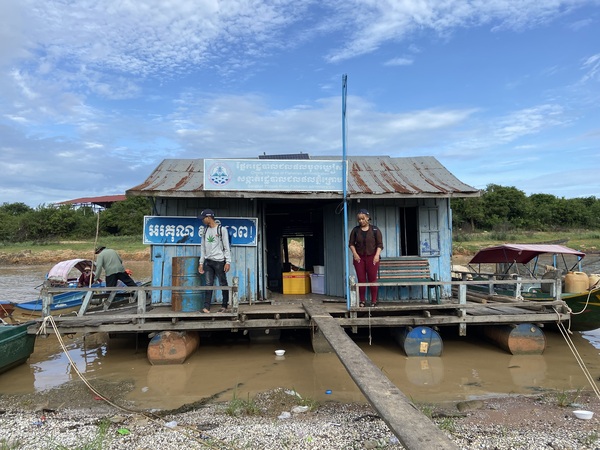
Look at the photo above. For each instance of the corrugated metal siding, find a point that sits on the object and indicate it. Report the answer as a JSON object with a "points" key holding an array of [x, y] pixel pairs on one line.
{"points": [[244, 259], [367, 176]]}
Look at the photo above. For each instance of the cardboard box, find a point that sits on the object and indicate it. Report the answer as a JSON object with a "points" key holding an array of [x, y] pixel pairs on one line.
{"points": [[296, 282], [317, 283], [319, 270]]}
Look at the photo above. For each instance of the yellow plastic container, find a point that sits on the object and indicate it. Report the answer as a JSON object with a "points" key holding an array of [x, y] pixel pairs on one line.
{"points": [[594, 279], [296, 282], [576, 282]]}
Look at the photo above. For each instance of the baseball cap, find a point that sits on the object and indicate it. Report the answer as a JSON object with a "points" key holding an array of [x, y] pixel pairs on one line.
{"points": [[207, 213], [363, 211]]}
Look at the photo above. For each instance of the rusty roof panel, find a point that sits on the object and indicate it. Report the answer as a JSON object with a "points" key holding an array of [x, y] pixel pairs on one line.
{"points": [[174, 175], [367, 176], [411, 176]]}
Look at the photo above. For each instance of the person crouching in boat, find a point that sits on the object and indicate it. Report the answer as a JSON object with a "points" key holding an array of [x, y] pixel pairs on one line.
{"points": [[86, 279]]}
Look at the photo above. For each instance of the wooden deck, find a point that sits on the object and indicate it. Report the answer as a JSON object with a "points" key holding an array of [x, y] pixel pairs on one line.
{"points": [[287, 311]]}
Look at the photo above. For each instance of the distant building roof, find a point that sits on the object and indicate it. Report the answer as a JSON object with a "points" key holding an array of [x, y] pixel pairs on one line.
{"points": [[104, 201], [368, 177]]}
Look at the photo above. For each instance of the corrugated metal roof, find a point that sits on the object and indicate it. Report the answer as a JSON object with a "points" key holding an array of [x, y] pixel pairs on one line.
{"points": [[368, 176], [95, 200]]}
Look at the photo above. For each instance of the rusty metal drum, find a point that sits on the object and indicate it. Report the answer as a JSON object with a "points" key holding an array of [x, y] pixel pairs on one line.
{"points": [[185, 273]]}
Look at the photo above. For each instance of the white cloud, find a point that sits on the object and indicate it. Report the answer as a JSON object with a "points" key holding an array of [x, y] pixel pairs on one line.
{"points": [[592, 67], [399, 62], [378, 22], [134, 82]]}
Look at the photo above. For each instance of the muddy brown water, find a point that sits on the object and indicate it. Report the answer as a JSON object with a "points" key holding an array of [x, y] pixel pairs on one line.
{"points": [[228, 364]]}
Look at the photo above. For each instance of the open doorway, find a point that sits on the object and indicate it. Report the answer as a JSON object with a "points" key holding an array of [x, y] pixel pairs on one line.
{"points": [[409, 231], [293, 238], [293, 253]]}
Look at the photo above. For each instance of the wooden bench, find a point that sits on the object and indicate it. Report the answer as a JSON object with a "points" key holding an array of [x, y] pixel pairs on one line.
{"points": [[409, 269]]}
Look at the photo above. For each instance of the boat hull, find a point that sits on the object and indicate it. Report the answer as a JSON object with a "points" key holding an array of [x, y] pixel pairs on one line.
{"points": [[16, 345], [585, 307], [6, 309], [64, 303]]}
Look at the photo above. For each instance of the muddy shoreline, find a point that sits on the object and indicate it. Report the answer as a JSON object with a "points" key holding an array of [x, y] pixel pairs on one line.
{"points": [[73, 413]]}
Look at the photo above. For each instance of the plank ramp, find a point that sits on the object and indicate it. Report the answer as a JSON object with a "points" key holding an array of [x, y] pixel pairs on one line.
{"points": [[414, 430]]}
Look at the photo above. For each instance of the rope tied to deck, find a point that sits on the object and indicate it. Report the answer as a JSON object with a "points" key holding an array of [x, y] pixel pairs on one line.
{"points": [[369, 319], [565, 333], [587, 301]]}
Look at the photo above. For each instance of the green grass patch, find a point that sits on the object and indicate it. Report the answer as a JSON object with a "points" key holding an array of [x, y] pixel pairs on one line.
{"points": [[470, 243], [238, 407], [119, 243]]}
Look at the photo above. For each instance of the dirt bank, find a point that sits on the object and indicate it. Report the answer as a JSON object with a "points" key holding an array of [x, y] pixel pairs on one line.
{"points": [[28, 257]]}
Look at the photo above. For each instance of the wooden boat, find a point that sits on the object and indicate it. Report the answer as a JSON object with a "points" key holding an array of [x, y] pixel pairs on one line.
{"points": [[65, 274], [16, 345], [514, 261], [6, 308], [65, 303]]}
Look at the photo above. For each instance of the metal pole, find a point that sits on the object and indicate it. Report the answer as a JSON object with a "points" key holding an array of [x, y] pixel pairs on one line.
{"points": [[345, 183]]}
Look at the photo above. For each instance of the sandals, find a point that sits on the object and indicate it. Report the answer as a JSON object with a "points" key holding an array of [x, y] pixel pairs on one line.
{"points": [[372, 305], [206, 311]]}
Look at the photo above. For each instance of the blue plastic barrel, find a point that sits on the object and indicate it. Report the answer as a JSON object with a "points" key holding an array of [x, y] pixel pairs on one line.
{"points": [[185, 273], [420, 341]]}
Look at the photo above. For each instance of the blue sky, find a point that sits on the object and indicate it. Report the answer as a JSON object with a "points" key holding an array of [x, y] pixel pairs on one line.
{"points": [[94, 94]]}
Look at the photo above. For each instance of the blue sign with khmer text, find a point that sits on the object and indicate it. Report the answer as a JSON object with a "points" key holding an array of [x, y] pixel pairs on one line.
{"points": [[169, 230]]}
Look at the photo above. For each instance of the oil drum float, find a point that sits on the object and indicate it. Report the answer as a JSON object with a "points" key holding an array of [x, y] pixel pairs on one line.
{"points": [[419, 341], [172, 347], [521, 339]]}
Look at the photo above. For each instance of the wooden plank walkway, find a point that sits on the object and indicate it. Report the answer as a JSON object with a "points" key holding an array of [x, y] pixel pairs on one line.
{"points": [[286, 311], [140, 317], [414, 430]]}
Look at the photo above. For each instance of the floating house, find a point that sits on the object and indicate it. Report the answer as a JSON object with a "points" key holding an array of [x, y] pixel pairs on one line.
{"points": [[268, 201]]}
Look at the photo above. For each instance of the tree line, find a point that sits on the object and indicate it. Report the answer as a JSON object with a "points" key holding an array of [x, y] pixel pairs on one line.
{"points": [[498, 207], [508, 207], [21, 223]]}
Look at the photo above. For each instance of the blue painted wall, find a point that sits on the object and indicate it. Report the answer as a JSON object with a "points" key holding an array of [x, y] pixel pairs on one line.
{"points": [[247, 262]]}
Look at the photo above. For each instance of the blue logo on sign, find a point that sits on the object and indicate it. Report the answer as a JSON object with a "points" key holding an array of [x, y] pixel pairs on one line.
{"points": [[219, 175]]}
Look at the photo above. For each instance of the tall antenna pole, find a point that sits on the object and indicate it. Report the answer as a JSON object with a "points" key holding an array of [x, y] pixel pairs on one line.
{"points": [[345, 183]]}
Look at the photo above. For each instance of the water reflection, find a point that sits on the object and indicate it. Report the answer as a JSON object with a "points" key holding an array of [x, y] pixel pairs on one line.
{"points": [[424, 371], [593, 337], [527, 370]]}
